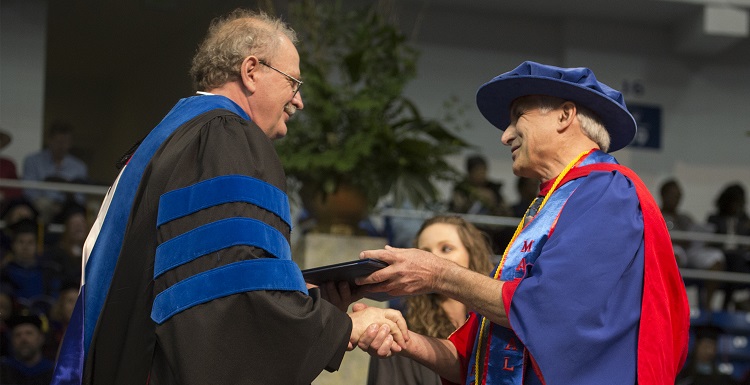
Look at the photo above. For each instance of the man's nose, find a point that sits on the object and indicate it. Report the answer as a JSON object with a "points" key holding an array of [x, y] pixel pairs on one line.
{"points": [[297, 100], [508, 135]]}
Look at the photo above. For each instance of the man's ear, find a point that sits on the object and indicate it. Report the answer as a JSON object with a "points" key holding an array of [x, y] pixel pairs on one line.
{"points": [[249, 72], [566, 115]]}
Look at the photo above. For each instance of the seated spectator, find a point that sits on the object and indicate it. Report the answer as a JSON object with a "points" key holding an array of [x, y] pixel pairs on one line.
{"points": [[16, 209], [701, 367], [24, 272], [671, 196], [67, 251], [731, 219], [59, 316], [7, 170], [527, 190], [8, 306], [690, 253], [11, 212], [477, 194], [26, 364], [54, 164]]}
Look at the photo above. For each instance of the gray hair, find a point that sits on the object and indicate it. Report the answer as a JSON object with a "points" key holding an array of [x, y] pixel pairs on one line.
{"points": [[591, 125], [230, 40]]}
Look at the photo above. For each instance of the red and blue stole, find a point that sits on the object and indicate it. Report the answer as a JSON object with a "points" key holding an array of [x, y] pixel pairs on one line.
{"points": [[509, 355]]}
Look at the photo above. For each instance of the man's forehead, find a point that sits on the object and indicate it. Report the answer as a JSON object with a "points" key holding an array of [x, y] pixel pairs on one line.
{"points": [[521, 104], [528, 102], [532, 100], [287, 55]]}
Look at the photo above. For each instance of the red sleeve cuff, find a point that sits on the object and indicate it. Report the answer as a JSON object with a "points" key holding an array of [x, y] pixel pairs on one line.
{"points": [[509, 288], [463, 340]]}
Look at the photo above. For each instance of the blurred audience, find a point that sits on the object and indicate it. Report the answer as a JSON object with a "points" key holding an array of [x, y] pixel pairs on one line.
{"points": [[67, 250], [59, 316], [479, 195], [26, 365], [671, 197], [7, 170], [527, 190], [55, 164], [23, 270], [690, 253], [731, 219], [7, 308], [11, 212]]}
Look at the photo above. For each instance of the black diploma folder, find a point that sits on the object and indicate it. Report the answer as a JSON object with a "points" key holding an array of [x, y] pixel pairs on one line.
{"points": [[347, 271]]}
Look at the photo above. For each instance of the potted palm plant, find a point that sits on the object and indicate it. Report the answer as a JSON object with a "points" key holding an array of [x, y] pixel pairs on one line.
{"points": [[358, 136]]}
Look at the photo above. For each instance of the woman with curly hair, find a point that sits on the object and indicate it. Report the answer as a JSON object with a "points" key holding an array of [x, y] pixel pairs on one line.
{"points": [[455, 239]]}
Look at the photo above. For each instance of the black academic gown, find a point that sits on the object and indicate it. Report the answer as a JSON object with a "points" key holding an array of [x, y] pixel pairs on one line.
{"points": [[255, 337]]}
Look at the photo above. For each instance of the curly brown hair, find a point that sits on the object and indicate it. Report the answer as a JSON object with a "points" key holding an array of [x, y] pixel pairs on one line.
{"points": [[424, 313], [230, 39]]}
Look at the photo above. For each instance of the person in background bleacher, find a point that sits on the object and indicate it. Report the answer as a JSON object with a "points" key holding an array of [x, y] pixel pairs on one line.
{"points": [[690, 254], [731, 219], [23, 270], [26, 365], [67, 250], [7, 170], [12, 212], [8, 305], [671, 197], [54, 163], [527, 188], [479, 195], [59, 316]]}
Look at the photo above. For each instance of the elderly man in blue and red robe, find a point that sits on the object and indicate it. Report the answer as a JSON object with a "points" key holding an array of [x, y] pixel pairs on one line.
{"points": [[587, 291]]}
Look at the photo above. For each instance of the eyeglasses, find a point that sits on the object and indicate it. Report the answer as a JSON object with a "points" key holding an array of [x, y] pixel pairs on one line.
{"points": [[296, 85]]}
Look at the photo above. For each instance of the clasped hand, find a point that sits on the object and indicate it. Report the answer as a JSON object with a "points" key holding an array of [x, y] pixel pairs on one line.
{"points": [[387, 326]]}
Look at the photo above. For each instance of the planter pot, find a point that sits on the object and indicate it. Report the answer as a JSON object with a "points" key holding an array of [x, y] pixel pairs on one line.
{"points": [[337, 213]]}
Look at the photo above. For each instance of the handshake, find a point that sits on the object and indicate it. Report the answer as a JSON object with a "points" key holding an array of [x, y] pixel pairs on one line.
{"points": [[379, 332]]}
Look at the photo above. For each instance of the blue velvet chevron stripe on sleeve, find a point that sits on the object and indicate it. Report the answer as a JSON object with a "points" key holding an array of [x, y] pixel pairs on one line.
{"points": [[277, 272], [223, 189], [216, 236], [238, 277]]}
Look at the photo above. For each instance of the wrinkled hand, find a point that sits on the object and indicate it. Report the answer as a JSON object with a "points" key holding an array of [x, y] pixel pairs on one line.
{"points": [[410, 271], [340, 294], [389, 322], [378, 342]]}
